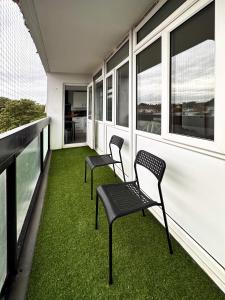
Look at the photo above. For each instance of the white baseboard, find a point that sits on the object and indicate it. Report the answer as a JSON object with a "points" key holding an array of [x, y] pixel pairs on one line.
{"points": [[200, 256]]}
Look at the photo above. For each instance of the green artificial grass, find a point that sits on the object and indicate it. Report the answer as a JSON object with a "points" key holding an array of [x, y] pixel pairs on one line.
{"points": [[71, 257]]}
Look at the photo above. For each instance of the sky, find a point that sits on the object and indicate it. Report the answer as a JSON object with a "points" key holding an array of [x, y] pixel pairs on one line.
{"points": [[21, 72], [192, 77]]}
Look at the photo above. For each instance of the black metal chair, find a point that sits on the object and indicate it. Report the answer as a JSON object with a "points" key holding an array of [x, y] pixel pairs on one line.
{"points": [[104, 160], [125, 198]]}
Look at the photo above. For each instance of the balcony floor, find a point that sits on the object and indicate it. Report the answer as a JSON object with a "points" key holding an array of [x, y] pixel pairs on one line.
{"points": [[71, 257]]}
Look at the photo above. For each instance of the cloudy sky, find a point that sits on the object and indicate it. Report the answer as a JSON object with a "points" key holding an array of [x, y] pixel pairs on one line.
{"points": [[21, 72], [192, 77]]}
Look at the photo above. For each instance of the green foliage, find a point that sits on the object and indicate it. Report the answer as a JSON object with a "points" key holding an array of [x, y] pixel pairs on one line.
{"points": [[14, 113]]}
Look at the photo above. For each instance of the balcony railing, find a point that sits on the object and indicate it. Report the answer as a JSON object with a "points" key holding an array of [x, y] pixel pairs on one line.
{"points": [[23, 155]]}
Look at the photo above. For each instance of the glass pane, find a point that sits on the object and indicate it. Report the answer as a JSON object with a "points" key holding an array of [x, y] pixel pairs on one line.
{"points": [[27, 172], [75, 114], [45, 141], [192, 76], [90, 104], [149, 93], [3, 230], [122, 98], [109, 98], [97, 75], [118, 57], [167, 9], [99, 101]]}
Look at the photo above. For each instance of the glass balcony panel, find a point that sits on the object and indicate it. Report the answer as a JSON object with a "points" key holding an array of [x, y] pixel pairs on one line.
{"points": [[3, 230], [27, 172], [45, 142]]}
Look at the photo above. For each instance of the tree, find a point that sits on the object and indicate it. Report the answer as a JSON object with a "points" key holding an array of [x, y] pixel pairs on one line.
{"points": [[14, 113]]}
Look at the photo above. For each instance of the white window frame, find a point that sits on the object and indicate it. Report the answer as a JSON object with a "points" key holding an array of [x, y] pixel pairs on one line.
{"points": [[99, 79], [182, 139], [126, 39], [111, 73], [180, 10], [139, 50], [183, 13], [88, 95], [126, 60]]}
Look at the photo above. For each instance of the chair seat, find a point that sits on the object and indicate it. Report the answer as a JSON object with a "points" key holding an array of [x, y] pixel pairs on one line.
{"points": [[100, 160], [122, 199]]}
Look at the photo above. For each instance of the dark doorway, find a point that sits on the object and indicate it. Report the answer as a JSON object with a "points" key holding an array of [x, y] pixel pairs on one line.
{"points": [[75, 116]]}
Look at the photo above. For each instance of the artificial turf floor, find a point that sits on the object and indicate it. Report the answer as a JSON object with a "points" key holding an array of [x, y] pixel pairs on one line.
{"points": [[71, 257]]}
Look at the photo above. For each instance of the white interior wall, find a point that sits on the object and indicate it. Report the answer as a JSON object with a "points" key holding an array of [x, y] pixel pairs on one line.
{"points": [[55, 102]]}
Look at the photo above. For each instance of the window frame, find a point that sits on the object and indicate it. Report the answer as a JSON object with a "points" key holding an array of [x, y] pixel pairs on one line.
{"points": [[99, 79], [126, 60], [125, 40], [213, 148], [139, 50], [111, 73], [179, 11], [211, 145], [90, 86], [149, 43]]}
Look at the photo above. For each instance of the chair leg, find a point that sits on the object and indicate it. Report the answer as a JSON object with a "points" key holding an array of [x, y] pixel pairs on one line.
{"points": [[85, 171], [167, 230], [110, 254], [91, 184], [96, 212], [114, 170], [124, 179], [143, 212]]}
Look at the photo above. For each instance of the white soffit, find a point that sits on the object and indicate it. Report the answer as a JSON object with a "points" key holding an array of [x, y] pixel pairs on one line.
{"points": [[74, 36]]}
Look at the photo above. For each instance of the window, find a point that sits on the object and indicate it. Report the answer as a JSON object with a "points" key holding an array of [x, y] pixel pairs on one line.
{"points": [[118, 57], [122, 98], [149, 88], [99, 101], [109, 98], [97, 75], [90, 103], [192, 51], [164, 12]]}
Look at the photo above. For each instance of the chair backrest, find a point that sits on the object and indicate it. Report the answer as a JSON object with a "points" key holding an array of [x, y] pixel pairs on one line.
{"points": [[151, 162], [117, 141]]}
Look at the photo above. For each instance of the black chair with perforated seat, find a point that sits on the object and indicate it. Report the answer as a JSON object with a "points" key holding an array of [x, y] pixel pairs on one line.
{"points": [[125, 198], [104, 160]]}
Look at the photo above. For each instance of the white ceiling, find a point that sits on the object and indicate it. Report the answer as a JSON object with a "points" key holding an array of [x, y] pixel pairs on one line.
{"points": [[74, 36]]}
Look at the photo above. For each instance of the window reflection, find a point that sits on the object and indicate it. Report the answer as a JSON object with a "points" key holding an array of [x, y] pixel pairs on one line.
{"points": [[122, 117], [99, 101], [109, 98], [192, 76], [149, 89], [90, 104]]}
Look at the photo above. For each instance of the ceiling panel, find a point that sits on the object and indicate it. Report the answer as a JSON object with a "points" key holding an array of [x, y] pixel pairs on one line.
{"points": [[78, 34]]}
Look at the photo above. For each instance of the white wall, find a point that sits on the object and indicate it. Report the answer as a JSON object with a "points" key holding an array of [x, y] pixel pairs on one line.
{"points": [[193, 183], [55, 102]]}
